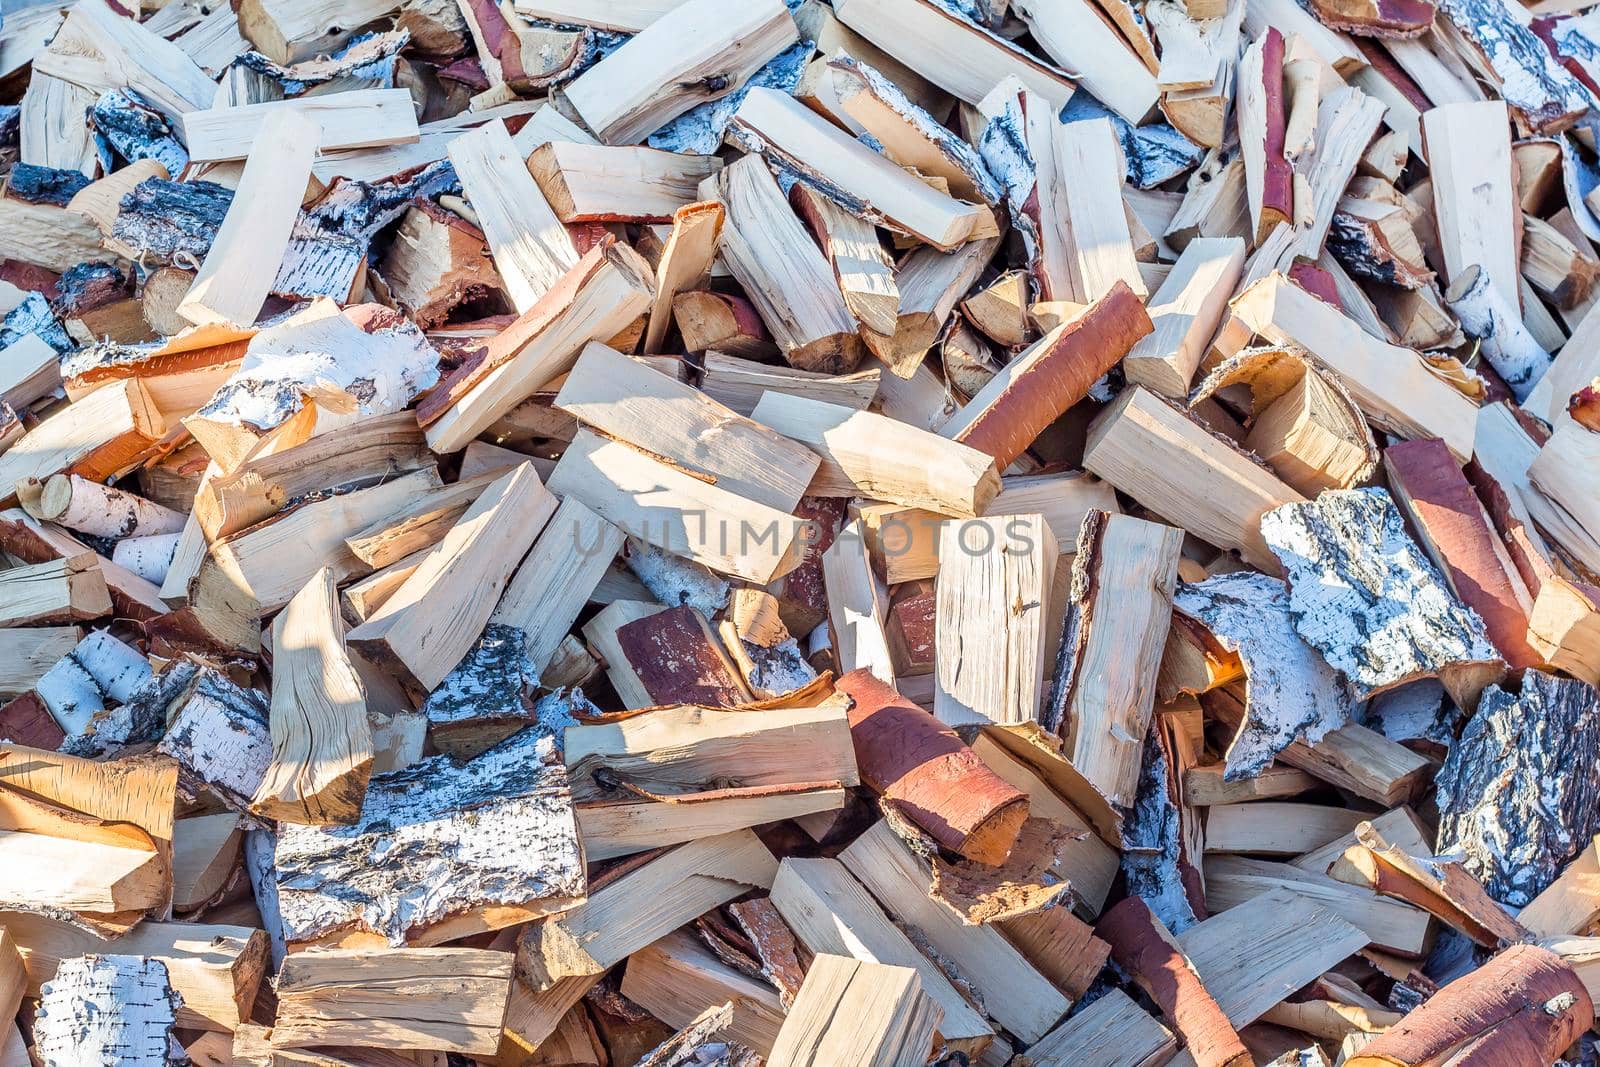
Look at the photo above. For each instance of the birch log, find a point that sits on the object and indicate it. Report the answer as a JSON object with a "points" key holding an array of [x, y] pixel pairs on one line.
{"points": [[1508, 346], [108, 1009], [102, 510]]}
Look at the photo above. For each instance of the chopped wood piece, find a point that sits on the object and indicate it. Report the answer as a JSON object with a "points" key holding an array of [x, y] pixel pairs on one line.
{"points": [[1398, 623], [873, 455], [855, 1014], [1146, 949], [1516, 843], [360, 119], [781, 269], [101, 437], [532, 251], [677, 885], [676, 978], [1441, 887], [993, 599], [27, 654], [952, 52], [58, 876], [587, 183], [830, 912], [1296, 939], [321, 740], [1113, 1032], [930, 284], [450, 999], [1103, 691], [1038, 386], [205, 854], [1261, 115], [438, 262], [494, 838], [856, 615], [1276, 829], [607, 289], [1148, 449], [1525, 1002], [1396, 388], [1474, 193], [921, 768], [1208, 785], [1291, 693], [64, 590], [1010, 990], [1392, 926], [685, 264], [698, 52], [108, 1009], [1506, 343], [1185, 313], [103, 510], [865, 272], [290, 31], [1499, 47]]}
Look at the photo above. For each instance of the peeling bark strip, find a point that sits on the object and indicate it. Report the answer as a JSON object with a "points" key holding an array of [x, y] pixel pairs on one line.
{"points": [[1524, 1006], [1510, 796], [1362, 594], [1261, 115], [1146, 949], [435, 843], [1290, 691], [1533, 83], [108, 1009], [921, 768]]}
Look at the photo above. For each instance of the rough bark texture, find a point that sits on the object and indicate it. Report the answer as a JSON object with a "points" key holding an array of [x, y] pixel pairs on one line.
{"points": [[1362, 594], [1516, 795], [1145, 948], [922, 769], [1290, 691], [108, 1010], [1542, 95], [221, 740], [435, 841], [1153, 860], [774, 943], [1525, 1006], [161, 219], [490, 684]]}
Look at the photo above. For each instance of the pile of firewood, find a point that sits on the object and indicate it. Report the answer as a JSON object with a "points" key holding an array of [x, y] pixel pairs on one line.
{"points": [[870, 533]]}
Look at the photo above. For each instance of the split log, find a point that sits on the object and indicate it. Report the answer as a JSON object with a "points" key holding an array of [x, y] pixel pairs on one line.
{"points": [[1291, 693], [1516, 843], [993, 597], [1277, 829], [1088, 179], [220, 738], [1441, 887], [1301, 938], [495, 836], [768, 250], [723, 322], [233, 281], [289, 31], [1398, 624], [205, 854], [1469, 147], [1185, 312], [438, 262], [1564, 627], [64, 590], [930, 284], [1505, 342], [1000, 309], [1538, 90], [447, 999], [603, 183], [1571, 903], [850, 1012], [678, 885], [86, 879], [429, 623], [28, 653], [1206, 786], [320, 369], [953, 52], [600, 295], [922, 769], [830, 912], [321, 739], [799, 142], [1524, 1003], [877, 456], [856, 616], [693, 55], [110, 1009], [685, 264], [1261, 115], [361, 118], [101, 438], [1113, 1031], [1078, 36], [672, 657], [1391, 926], [1456, 532], [1039, 385], [676, 977], [1146, 949], [1394, 386], [864, 272], [1009, 989], [624, 827], [1145, 447]]}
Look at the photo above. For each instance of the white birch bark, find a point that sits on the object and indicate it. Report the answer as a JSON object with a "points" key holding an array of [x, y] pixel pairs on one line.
{"points": [[108, 1010]]}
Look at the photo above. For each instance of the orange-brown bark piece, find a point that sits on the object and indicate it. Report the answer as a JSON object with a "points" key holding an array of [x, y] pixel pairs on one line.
{"points": [[1146, 949], [1376, 18], [921, 767], [774, 943], [1040, 385], [1456, 530], [678, 660], [1525, 1006]]}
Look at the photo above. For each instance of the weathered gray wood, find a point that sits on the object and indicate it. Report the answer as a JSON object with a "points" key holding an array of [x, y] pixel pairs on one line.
{"points": [[1290, 691], [1516, 795], [108, 1009], [1364, 595], [495, 833]]}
